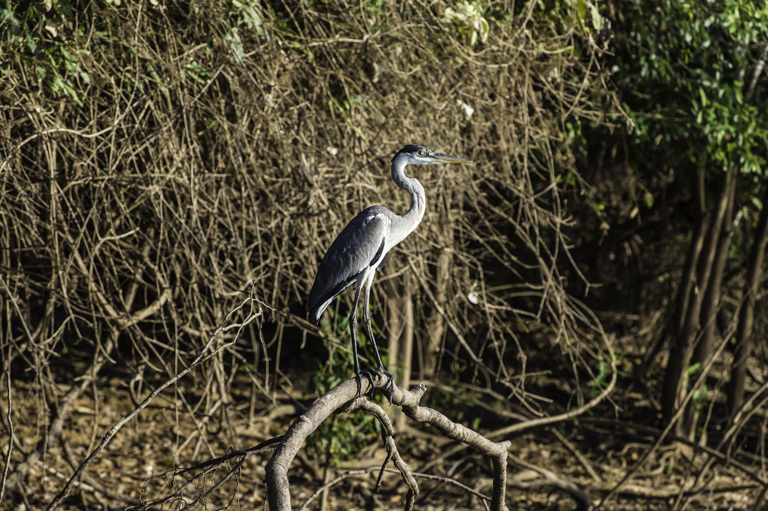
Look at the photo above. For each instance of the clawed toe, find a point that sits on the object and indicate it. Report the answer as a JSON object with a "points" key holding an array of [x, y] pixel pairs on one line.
{"points": [[368, 375], [371, 375], [389, 387]]}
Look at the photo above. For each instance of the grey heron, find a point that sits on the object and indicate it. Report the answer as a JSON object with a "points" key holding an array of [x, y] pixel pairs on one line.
{"points": [[362, 246]]}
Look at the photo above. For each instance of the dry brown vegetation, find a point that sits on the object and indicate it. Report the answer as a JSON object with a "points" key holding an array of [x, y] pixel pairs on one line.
{"points": [[160, 231]]}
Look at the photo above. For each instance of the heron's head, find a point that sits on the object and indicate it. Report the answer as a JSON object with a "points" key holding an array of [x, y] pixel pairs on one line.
{"points": [[417, 155]]}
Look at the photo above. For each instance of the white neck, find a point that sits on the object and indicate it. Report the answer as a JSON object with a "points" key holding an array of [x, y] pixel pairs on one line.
{"points": [[405, 224]]}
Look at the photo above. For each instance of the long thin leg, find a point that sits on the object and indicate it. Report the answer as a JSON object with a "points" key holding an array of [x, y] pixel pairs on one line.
{"points": [[367, 321], [353, 330], [390, 386]]}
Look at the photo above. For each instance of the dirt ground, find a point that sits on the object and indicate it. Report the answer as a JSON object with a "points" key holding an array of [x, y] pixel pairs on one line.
{"points": [[162, 454]]}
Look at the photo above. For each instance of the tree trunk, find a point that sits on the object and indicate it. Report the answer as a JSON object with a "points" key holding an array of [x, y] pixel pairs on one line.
{"points": [[401, 328], [436, 326], [436, 323], [687, 320], [743, 339], [688, 280], [704, 347]]}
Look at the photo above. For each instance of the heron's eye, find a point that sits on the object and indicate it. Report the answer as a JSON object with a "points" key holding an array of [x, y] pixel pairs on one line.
{"points": [[423, 152]]}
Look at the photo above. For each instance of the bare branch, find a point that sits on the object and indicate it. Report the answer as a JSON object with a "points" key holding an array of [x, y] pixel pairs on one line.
{"points": [[278, 490], [9, 419], [551, 479], [388, 435], [201, 357], [756, 73]]}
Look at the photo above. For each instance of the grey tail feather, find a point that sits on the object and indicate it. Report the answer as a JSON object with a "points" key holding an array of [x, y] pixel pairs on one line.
{"points": [[316, 307], [314, 315]]}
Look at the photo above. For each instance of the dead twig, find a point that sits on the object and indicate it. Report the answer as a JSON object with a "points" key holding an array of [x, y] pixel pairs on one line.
{"points": [[576, 454], [583, 500], [205, 468], [9, 420], [201, 357]]}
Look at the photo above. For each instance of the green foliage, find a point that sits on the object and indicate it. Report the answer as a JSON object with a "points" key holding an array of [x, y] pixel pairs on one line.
{"points": [[694, 368], [196, 72], [700, 400], [340, 363], [686, 69], [469, 21], [604, 373], [343, 437], [32, 32], [248, 14], [581, 16], [49, 67], [690, 374], [245, 16], [31, 24]]}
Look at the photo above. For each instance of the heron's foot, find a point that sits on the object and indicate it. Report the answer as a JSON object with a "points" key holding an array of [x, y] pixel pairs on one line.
{"points": [[368, 375], [389, 387]]}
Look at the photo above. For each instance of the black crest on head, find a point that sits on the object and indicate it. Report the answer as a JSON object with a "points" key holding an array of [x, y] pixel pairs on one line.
{"points": [[409, 149]]}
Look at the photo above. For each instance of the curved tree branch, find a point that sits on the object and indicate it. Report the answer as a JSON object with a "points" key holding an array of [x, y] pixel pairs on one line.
{"points": [[344, 397]]}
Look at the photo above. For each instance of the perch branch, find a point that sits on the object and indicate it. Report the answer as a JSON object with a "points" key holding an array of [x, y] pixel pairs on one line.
{"points": [[497, 451], [278, 489], [388, 436]]}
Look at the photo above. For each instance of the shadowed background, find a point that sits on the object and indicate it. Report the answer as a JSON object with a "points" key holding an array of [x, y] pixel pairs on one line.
{"points": [[165, 162]]}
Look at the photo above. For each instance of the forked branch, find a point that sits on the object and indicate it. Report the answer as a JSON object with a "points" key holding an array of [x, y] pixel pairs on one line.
{"points": [[344, 397]]}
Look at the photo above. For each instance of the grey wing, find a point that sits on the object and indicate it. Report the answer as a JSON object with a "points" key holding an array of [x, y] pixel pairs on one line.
{"points": [[359, 246]]}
